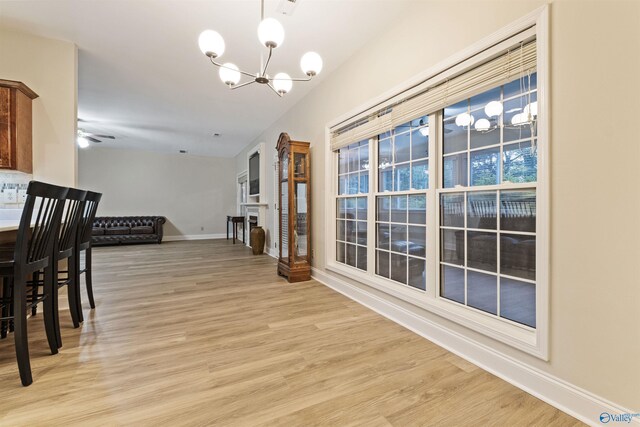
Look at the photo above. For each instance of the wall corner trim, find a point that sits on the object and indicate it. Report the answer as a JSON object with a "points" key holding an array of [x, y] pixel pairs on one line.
{"points": [[573, 400]]}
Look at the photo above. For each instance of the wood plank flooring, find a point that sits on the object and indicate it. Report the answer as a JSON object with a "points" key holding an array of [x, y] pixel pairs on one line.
{"points": [[204, 333]]}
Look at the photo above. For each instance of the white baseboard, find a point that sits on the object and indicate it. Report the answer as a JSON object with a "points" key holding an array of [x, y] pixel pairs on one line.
{"points": [[567, 397], [272, 252], [194, 237]]}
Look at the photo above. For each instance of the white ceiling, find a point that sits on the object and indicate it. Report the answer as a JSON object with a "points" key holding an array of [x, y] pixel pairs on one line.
{"points": [[143, 79]]}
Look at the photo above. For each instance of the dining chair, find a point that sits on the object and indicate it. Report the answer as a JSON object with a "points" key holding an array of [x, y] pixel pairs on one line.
{"points": [[83, 237], [64, 248], [35, 239]]}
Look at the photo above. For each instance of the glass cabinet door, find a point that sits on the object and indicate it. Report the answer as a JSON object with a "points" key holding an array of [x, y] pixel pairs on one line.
{"points": [[284, 207], [300, 222]]}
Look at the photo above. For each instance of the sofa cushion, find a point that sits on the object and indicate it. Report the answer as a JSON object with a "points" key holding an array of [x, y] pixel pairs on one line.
{"points": [[117, 230], [97, 231], [142, 229]]}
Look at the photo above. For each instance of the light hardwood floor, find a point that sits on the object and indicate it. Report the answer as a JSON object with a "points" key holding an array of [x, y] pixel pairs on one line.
{"points": [[204, 333]]}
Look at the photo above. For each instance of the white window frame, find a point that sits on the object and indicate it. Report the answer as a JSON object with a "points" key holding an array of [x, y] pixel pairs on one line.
{"points": [[529, 340]]}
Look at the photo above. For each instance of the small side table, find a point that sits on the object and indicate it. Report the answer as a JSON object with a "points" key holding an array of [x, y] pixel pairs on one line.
{"points": [[235, 220]]}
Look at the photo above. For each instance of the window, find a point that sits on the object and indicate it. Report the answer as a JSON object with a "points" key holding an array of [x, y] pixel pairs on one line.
{"points": [[488, 238], [351, 213], [403, 170], [441, 195]]}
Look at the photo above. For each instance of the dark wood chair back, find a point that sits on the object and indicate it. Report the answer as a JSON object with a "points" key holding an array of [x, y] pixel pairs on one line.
{"points": [[74, 211], [89, 214], [39, 224]]}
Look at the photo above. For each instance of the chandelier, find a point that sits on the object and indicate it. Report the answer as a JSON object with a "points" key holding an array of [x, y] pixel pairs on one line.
{"points": [[270, 34]]}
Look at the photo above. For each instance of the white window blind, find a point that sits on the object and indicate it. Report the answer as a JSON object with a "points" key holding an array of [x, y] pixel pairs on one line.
{"points": [[508, 65]]}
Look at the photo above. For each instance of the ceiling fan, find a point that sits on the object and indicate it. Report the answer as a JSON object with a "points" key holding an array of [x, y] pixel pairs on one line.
{"points": [[84, 137]]}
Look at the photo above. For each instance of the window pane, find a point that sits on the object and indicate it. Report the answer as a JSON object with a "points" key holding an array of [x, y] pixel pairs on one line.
{"points": [[452, 283], [362, 233], [384, 236], [417, 241], [402, 177], [350, 205], [399, 268], [340, 252], [482, 291], [452, 210], [351, 255], [487, 135], [340, 230], [518, 301], [512, 131], [401, 145], [419, 175], [354, 159], [382, 267], [455, 137], [478, 102], [386, 179], [519, 86], [342, 184], [452, 246], [362, 208], [361, 261], [520, 162], [453, 110], [455, 170], [417, 276], [399, 238], [420, 143], [518, 256], [341, 210], [343, 160], [384, 203], [482, 250], [399, 209], [485, 167], [518, 210], [481, 210], [352, 183], [350, 228], [364, 157], [364, 182], [417, 209]]}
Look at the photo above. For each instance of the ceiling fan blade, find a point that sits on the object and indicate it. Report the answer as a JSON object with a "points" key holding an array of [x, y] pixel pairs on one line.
{"points": [[92, 139], [104, 136]]}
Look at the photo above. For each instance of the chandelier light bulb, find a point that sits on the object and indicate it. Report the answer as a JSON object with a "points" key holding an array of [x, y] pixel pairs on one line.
{"points": [[493, 109], [531, 110], [211, 43], [424, 131], [270, 33], [282, 83], [482, 125], [82, 142], [229, 74], [311, 64], [464, 119], [519, 119]]}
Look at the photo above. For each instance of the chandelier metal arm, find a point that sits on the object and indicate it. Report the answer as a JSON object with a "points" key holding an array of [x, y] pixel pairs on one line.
{"points": [[240, 71], [266, 64], [274, 90], [232, 87]]}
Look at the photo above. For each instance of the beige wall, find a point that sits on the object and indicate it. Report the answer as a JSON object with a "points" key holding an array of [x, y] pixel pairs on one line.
{"points": [[595, 254], [49, 67], [192, 192]]}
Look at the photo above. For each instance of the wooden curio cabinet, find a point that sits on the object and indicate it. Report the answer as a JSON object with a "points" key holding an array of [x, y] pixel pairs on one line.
{"points": [[294, 178]]}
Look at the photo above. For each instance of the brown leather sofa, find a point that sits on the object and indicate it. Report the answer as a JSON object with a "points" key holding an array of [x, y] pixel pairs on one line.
{"points": [[121, 230]]}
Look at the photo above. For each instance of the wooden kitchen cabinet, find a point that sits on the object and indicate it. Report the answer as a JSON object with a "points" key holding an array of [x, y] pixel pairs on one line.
{"points": [[15, 126]]}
